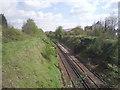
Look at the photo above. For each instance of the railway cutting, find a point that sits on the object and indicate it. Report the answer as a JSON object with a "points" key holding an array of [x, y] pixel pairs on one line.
{"points": [[75, 74]]}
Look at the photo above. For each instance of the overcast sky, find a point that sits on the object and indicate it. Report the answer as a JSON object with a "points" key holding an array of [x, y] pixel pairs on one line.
{"points": [[48, 14]]}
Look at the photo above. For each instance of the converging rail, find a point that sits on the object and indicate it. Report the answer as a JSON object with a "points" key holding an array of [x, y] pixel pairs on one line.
{"points": [[90, 80]]}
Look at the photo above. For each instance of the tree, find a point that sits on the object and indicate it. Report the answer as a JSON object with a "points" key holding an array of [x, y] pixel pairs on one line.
{"points": [[29, 27], [3, 21], [77, 30], [111, 23], [59, 32]]}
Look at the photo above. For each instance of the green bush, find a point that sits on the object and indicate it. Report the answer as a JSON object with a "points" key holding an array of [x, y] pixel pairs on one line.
{"points": [[48, 52], [11, 34], [31, 29], [101, 48]]}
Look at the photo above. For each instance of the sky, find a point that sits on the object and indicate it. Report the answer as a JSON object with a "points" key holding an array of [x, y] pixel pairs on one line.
{"points": [[49, 14]]}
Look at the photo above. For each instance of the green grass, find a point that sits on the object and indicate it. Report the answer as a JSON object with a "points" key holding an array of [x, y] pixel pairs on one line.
{"points": [[12, 34], [25, 66]]}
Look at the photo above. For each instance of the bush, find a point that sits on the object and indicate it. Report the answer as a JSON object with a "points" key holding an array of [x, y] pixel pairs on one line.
{"points": [[30, 28], [104, 50], [48, 52], [99, 48], [12, 34]]}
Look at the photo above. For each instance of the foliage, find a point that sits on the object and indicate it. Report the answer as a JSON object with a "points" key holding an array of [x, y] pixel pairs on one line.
{"points": [[59, 32], [111, 22], [24, 66], [11, 34], [29, 58], [30, 27], [77, 30], [104, 49], [3, 21], [100, 50]]}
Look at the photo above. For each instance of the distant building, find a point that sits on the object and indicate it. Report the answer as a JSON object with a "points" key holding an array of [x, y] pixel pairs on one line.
{"points": [[68, 30], [88, 28], [96, 25]]}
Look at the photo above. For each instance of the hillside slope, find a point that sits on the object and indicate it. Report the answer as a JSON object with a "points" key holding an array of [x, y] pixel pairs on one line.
{"points": [[29, 59], [30, 63]]}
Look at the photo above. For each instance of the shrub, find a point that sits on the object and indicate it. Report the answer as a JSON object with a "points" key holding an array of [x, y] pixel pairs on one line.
{"points": [[30, 28], [48, 52], [12, 34]]}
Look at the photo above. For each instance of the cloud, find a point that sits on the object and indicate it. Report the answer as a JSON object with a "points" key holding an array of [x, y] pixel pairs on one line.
{"points": [[85, 10], [41, 4], [112, 6], [83, 6], [50, 21], [37, 4], [7, 5], [46, 21]]}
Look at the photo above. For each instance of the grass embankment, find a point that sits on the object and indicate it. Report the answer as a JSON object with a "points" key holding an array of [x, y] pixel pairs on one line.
{"points": [[97, 51], [29, 62]]}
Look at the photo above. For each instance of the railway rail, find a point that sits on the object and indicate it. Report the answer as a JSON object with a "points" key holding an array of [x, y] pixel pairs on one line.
{"points": [[95, 73], [73, 85], [91, 81]]}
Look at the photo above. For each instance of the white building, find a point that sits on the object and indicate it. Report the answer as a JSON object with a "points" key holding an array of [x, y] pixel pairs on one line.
{"points": [[96, 25]]}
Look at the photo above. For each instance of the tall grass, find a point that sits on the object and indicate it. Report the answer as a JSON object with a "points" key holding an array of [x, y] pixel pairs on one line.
{"points": [[29, 60], [25, 66]]}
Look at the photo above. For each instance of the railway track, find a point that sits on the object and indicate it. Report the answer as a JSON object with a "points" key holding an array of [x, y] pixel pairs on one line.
{"points": [[76, 72], [91, 81], [60, 56], [96, 74]]}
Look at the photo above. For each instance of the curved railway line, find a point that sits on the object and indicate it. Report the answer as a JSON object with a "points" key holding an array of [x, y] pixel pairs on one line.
{"points": [[66, 71], [90, 80], [96, 74]]}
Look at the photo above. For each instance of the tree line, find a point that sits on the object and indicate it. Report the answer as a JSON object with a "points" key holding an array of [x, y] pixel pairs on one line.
{"points": [[109, 27]]}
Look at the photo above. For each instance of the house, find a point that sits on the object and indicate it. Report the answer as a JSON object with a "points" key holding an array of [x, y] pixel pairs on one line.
{"points": [[68, 30], [88, 28], [96, 25]]}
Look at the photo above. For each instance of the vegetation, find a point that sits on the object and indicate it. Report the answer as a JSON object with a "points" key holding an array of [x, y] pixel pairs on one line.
{"points": [[11, 34], [30, 28], [3, 21], [25, 64], [99, 52], [29, 58], [59, 32], [98, 47]]}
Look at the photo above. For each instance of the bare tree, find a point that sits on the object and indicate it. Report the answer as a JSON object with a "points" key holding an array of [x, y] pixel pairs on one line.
{"points": [[111, 22]]}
